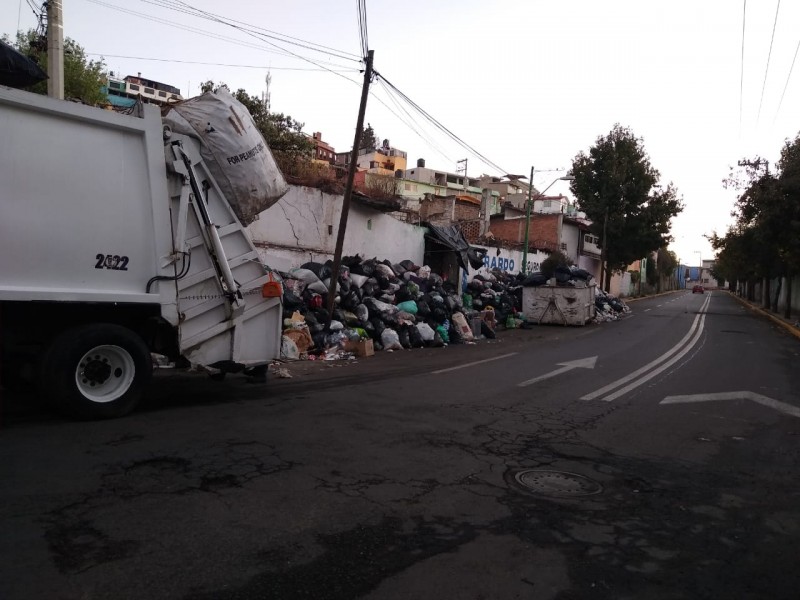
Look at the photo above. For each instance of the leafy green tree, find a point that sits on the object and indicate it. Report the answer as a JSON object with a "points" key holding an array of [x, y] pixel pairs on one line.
{"points": [[616, 186], [369, 140], [283, 134], [764, 242], [83, 78]]}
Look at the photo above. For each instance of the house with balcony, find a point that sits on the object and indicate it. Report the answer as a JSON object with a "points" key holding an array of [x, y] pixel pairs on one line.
{"points": [[126, 92]]}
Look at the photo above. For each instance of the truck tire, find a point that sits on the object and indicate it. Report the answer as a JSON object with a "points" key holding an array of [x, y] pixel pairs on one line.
{"points": [[97, 371]]}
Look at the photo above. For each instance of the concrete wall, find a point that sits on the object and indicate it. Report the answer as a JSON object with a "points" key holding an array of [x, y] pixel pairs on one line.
{"points": [[302, 226]]}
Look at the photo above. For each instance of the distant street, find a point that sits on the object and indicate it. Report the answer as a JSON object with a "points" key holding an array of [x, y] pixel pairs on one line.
{"points": [[653, 457]]}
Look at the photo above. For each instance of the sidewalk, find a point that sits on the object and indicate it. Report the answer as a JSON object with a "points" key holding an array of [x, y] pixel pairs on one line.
{"points": [[790, 325]]}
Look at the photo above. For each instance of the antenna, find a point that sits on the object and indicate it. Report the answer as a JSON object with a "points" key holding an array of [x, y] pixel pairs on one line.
{"points": [[266, 96]]}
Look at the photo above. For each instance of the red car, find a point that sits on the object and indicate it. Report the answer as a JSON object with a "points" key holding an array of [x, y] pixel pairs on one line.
{"points": [[698, 289]]}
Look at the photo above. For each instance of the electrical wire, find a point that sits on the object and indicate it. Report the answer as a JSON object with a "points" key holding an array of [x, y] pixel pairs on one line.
{"points": [[185, 8], [209, 34], [441, 127], [362, 27], [787, 82], [766, 70], [741, 78], [195, 62], [221, 21], [411, 126]]}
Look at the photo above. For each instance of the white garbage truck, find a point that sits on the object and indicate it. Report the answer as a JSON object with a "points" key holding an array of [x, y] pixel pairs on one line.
{"points": [[122, 236]]}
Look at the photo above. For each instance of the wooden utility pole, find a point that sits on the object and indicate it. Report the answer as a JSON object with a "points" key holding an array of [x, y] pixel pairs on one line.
{"points": [[55, 50], [348, 190]]}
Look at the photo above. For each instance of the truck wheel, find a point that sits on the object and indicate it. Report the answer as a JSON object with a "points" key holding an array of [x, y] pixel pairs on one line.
{"points": [[96, 371]]}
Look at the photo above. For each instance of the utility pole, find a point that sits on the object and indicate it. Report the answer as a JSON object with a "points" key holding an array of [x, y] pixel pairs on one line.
{"points": [[55, 50], [464, 169], [348, 190], [755, 163], [603, 253], [527, 225]]}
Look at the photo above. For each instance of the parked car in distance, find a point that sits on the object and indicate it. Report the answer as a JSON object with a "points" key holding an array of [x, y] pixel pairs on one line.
{"points": [[698, 289]]}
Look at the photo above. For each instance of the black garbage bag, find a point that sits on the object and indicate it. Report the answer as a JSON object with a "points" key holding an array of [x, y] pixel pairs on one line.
{"points": [[477, 303], [535, 279], [562, 274], [581, 274], [351, 261], [435, 280], [455, 334], [291, 301], [403, 294], [383, 282], [350, 300], [415, 337], [370, 288], [405, 341], [314, 267], [399, 269], [376, 344], [320, 339], [437, 342], [487, 331], [378, 325], [439, 315], [369, 328], [423, 309], [476, 285], [409, 266]]}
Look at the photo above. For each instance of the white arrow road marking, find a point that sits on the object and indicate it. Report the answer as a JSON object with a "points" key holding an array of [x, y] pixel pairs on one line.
{"points": [[690, 338], [583, 363], [472, 364], [758, 398]]}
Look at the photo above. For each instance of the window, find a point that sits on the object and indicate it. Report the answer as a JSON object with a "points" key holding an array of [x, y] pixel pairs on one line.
{"points": [[148, 90], [162, 94], [134, 87], [563, 246]]}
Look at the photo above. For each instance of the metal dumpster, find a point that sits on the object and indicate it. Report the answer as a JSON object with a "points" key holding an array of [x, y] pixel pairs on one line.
{"points": [[559, 305]]}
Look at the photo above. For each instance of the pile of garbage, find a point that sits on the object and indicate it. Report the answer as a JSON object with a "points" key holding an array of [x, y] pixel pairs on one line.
{"points": [[394, 306], [608, 307], [562, 275]]}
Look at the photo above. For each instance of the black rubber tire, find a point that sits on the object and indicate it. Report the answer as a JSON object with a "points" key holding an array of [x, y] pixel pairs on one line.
{"points": [[62, 361]]}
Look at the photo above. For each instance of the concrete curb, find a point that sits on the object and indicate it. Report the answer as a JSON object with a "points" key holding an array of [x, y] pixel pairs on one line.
{"points": [[757, 309]]}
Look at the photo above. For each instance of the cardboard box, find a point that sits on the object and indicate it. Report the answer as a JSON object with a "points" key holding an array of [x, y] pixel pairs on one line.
{"points": [[361, 348]]}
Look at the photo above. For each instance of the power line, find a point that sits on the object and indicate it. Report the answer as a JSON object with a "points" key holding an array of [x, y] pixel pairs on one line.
{"points": [[424, 138], [208, 34], [766, 70], [195, 62], [183, 7], [441, 127], [787, 81], [741, 79], [257, 35], [362, 26]]}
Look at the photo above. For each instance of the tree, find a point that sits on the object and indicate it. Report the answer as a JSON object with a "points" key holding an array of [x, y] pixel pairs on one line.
{"points": [[369, 141], [666, 263], [83, 79], [764, 242], [616, 186], [283, 134]]}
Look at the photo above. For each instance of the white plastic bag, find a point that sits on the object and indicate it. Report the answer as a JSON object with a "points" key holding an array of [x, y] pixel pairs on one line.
{"points": [[390, 340], [426, 332], [289, 349]]}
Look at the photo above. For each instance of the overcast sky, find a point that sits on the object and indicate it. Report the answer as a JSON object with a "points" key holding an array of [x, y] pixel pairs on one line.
{"points": [[525, 83]]}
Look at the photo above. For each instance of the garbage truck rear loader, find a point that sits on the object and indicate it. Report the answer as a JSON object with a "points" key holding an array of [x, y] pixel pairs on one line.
{"points": [[118, 241]]}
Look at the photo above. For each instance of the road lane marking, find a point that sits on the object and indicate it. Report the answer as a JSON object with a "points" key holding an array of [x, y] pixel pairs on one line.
{"points": [[583, 363], [472, 364], [631, 376], [645, 378], [783, 407], [647, 309]]}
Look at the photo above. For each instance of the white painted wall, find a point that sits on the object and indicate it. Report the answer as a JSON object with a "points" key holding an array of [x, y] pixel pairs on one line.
{"points": [[302, 227], [570, 235], [507, 260]]}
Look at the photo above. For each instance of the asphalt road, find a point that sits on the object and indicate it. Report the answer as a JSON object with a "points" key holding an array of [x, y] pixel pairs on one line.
{"points": [[660, 454]]}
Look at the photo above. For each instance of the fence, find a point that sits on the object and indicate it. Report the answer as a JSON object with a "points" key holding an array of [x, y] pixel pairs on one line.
{"points": [[781, 295]]}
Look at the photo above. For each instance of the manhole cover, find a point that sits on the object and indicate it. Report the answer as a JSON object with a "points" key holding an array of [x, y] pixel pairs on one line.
{"points": [[557, 483]]}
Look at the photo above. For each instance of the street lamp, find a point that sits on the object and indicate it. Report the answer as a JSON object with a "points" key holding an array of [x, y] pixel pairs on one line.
{"points": [[528, 215]]}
